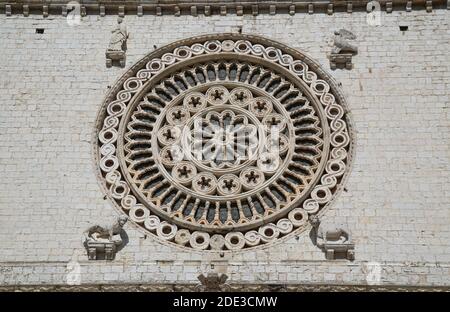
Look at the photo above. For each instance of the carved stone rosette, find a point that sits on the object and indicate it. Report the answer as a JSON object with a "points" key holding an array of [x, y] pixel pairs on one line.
{"points": [[249, 196]]}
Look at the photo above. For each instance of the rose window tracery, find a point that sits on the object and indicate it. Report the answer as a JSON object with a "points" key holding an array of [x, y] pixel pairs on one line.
{"points": [[223, 142]]}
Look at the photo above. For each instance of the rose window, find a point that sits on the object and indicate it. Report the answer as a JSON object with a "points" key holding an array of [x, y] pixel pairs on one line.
{"points": [[223, 142]]}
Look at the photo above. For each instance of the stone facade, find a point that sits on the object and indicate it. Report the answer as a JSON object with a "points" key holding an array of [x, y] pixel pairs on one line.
{"points": [[395, 202]]}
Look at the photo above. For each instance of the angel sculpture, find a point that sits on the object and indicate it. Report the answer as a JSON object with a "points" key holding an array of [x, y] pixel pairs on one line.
{"points": [[104, 239]]}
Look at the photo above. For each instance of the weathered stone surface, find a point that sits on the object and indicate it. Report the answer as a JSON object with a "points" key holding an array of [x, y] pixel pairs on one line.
{"points": [[395, 202]]}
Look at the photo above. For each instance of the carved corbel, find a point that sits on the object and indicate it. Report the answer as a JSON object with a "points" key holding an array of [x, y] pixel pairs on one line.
{"points": [[140, 10], [389, 7], [239, 10], [104, 240], [207, 10], [349, 7], [330, 9], [255, 10], [223, 10], [429, 6], [292, 9], [176, 10], [194, 11]]}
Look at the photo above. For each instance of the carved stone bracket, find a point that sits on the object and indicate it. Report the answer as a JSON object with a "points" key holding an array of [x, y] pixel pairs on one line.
{"points": [[94, 248], [170, 287], [216, 203], [341, 60], [112, 56]]}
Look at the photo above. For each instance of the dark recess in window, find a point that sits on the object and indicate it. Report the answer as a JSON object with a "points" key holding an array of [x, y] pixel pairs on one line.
{"points": [[403, 28], [39, 30]]}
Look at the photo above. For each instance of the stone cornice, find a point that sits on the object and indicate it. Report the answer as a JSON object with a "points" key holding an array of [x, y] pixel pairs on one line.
{"points": [[210, 7], [233, 287]]}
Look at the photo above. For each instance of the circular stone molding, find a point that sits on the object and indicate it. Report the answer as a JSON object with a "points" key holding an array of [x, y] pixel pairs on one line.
{"points": [[223, 142]]}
